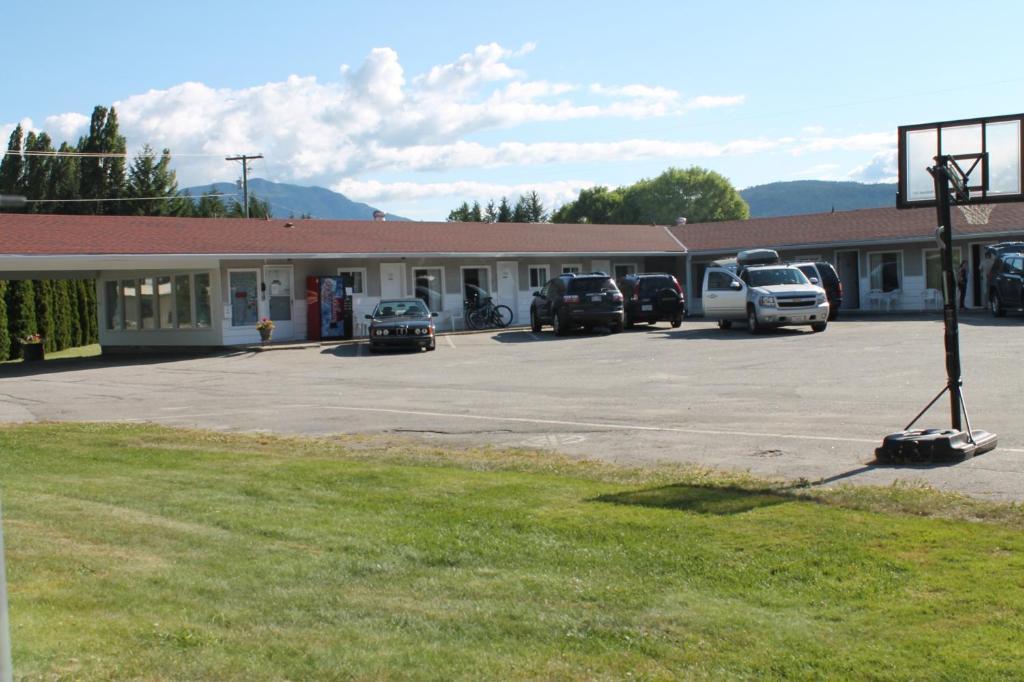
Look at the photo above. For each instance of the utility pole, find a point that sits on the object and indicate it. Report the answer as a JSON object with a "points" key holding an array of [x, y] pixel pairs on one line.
{"points": [[245, 176]]}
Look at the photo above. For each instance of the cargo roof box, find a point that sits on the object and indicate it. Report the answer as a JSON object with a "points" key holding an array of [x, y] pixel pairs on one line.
{"points": [[757, 257]]}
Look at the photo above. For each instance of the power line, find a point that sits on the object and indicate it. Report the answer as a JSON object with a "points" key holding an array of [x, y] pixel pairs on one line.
{"points": [[164, 198], [245, 159], [103, 155]]}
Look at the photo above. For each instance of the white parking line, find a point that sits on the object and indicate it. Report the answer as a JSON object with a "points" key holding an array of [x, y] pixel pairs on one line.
{"points": [[450, 342]]}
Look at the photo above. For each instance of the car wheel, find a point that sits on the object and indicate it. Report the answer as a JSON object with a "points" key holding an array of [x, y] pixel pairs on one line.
{"points": [[996, 305], [676, 322], [560, 324], [725, 324], [752, 324], [534, 322], [819, 326]]}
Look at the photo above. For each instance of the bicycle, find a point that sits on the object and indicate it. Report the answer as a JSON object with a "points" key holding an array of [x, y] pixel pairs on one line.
{"points": [[488, 315]]}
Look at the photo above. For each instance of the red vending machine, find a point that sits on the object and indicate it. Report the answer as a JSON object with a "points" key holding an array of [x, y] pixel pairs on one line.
{"points": [[328, 308]]}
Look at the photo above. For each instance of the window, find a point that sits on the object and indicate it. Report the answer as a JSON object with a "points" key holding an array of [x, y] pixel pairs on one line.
{"points": [[718, 281], [574, 268], [202, 299], [933, 267], [886, 271], [164, 304], [183, 300], [242, 287], [114, 314], [356, 279], [624, 269], [538, 276], [147, 303], [129, 292], [429, 286]]}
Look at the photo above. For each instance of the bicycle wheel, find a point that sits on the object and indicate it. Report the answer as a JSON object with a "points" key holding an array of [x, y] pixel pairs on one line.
{"points": [[502, 315], [475, 319]]}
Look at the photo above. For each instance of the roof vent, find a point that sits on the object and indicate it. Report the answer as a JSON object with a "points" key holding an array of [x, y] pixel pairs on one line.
{"points": [[289, 224], [379, 216], [680, 221]]}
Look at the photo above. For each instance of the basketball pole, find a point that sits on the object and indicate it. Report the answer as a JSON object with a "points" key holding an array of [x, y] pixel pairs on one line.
{"points": [[950, 311]]}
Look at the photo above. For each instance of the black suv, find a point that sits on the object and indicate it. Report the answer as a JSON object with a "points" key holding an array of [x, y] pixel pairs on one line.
{"points": [[1006, 279], [822, 273], [652, 297], [569, 301]]}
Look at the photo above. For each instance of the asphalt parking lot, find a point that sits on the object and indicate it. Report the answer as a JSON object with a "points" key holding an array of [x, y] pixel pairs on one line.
{"points": [[789, 403]]}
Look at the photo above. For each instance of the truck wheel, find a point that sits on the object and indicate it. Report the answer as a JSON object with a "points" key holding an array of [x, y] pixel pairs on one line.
{"points": [[752, 324], [819, 326]]}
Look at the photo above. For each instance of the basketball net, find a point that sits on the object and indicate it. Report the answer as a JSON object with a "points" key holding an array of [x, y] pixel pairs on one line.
{"points": [[976, 214]]}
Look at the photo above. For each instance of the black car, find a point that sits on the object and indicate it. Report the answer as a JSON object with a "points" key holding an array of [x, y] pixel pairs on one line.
{"points": [[570, 301], [822, 273], [402, 323], [652, 297], [1006, 279]]}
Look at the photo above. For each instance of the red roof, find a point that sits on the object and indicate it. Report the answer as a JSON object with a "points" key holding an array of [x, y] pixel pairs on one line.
{"points": [[865, 225], [48, 234]]}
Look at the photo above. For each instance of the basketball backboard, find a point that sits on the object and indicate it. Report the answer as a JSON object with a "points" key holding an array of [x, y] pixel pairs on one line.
{"points": [[988, 150]]}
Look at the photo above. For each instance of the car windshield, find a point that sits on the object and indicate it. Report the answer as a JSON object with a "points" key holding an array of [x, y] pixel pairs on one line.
{"points": [[775, 276], [591, 285], [400, 309]]}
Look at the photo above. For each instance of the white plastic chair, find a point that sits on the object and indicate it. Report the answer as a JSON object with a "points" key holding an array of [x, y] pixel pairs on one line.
{"points": [[932, 297]]}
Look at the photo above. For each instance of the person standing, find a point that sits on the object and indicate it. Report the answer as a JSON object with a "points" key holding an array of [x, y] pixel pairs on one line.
{"points": [[961, 282]]}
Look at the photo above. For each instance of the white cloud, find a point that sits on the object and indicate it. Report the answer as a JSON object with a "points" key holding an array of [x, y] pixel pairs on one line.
{"points": [[67, 126], [859, 142], [881, 168]]}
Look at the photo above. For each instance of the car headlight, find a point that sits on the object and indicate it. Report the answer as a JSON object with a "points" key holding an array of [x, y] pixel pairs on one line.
{"points": [[767, 301], [819, 299], [383, 332]]}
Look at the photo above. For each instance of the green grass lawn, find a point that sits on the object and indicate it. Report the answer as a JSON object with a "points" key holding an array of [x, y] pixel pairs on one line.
{"points": [[92, 350], [138, 552]]}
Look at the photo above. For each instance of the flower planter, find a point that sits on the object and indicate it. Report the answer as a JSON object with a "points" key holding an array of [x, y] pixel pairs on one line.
{"points": [[32, 352], [265, 335]]}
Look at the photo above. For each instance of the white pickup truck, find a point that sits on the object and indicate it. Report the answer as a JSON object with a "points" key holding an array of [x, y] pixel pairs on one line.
{"points": [[754, 287]]}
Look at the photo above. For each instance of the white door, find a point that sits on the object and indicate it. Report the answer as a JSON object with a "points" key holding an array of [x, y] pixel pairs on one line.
{"points": [[392, 280], [508, 285], [277, 280]]}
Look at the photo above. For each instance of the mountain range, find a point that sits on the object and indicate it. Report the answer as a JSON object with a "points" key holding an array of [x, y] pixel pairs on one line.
{"points": [[774, 199], [293, 201]]}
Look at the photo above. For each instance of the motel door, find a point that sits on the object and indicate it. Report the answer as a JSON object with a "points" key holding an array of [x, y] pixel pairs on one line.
{"points": [[508, 285], [277, 279]]}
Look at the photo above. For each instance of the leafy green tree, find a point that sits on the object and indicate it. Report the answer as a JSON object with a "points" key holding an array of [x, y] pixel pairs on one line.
{"points": [[596, 205], [5, 336], [698, 194], [11, 165]]}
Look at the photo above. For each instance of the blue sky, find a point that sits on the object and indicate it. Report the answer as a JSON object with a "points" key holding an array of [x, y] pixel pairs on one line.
{"points": [[415, 107]]}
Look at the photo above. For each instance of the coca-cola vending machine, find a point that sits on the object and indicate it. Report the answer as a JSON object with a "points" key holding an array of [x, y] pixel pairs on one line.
{"points": [[329, 308]]}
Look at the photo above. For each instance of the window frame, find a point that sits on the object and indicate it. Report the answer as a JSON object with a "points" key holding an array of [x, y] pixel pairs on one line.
{"points": [[442, 291], [362, 272], [566, 268]]}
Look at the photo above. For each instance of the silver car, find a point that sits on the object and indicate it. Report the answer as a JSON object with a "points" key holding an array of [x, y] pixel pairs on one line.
{"points": [[764, 296]]}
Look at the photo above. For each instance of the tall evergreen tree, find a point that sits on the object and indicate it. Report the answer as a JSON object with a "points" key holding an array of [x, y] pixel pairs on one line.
{"points": [[62, 315], [211, 205], [5, 336], [11, 165], [504, 211], [148, 178], [21, 312], [257, 209], [102, 176], [64, 179], [491, 212], [36, 184], [44, 312]]}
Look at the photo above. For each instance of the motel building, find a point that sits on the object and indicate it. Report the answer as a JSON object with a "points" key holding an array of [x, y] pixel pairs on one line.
{"points": [[199, 282]]}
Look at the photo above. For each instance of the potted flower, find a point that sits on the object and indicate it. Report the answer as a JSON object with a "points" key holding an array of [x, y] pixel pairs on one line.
{"points": [[32, 348], [266, 329]]}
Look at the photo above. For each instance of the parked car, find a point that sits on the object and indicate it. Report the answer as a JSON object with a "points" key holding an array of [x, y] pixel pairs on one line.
{"points": [[1006, 279], [652, 297], [569, 301], [822, 273], [402, 323], [755, 287]]}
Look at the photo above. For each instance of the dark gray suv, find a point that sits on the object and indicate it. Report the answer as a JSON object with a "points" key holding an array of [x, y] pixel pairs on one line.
{"points": [[652, 297], [1006, 279], [571, 301]]}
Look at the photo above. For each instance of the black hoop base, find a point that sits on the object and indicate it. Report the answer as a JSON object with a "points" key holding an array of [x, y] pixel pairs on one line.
{"points": [[934, 446]]}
